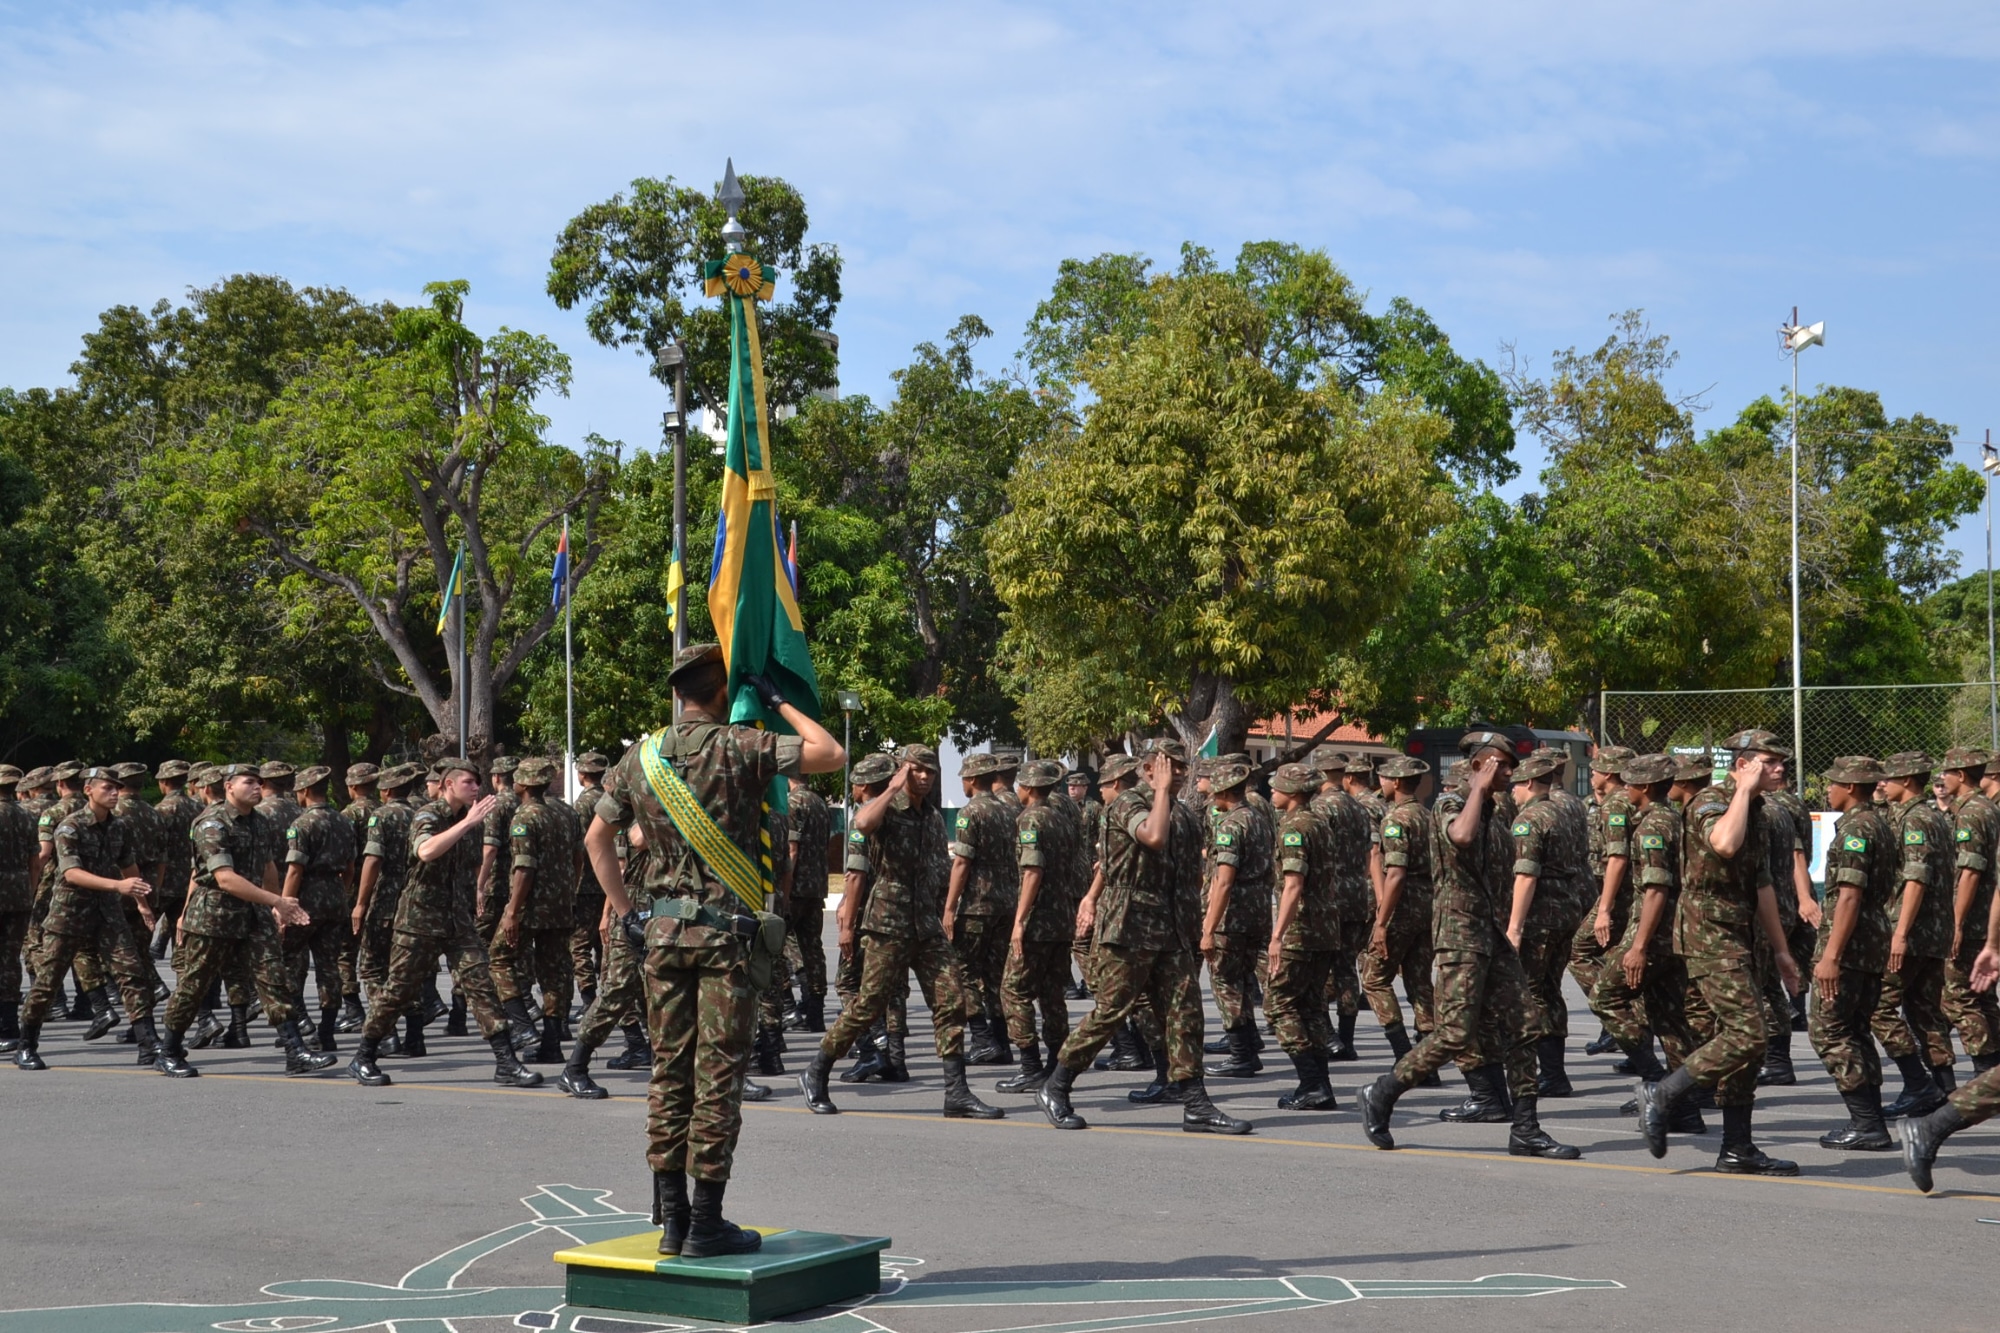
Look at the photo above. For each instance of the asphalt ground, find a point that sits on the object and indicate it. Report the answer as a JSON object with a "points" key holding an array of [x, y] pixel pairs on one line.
{"points": [[124, 1186]]}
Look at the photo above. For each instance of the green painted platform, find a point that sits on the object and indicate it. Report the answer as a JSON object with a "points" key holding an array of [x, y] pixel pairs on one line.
{"points": [[796, 1270]]}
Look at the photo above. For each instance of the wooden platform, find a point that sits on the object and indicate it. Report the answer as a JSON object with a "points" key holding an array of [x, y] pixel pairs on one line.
{"points": [[796, 1270]]}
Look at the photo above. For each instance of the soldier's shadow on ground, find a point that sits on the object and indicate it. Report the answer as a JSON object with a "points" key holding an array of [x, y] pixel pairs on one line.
{"points": [[1216, 1265]]}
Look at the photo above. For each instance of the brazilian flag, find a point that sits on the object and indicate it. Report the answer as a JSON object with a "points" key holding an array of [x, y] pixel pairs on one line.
{"points": [[750, 596]]}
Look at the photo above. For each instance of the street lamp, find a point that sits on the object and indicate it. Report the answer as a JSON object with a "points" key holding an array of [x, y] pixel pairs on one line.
{"points": [[850, 704], [1989, 463], [1796, 338], [673, 359]]}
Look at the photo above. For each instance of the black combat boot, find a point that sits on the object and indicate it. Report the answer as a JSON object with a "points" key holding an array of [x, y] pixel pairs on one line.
{"points": [[960, 1102], [575, 1078], [162, 933], [548, 1051], [1199, 1115], [868, 1059], [1488, 1103], [1142, 1049], [1604, 1044], [26, 1056], [238, 1036], [309, 1031], [812, 1082], [1127, 1050], [1076, 990], [895, 1068], [1777, 1071], [1315, 1090], [1551, 1080], [299, 1060], [670, 1209], [708, 1234], [1741, 1157], [520, 1023], [585, 996], [976, 1038], [1031, 1074], [1343, 1046], [1529, 1139], [206, 1029], [1161, 1089], [1242, 1061], [1644, 1063], [352, 1015], [79, 1007], [1430, 1080], [508, 1071], [1378, 1100], [764, 1053], [173, 1058], [1922, 1136], [363, 1069], [1921, 1094], [455, 1025], [147, 1037], [814, 1008], [1398, 1038], [1220, 1046], [10, 1026], [1684, 1117], [1054, 1098], [413, 1036], [995, 1050], [1656, 1105], [1864, 1130], [1943, 1075], [104, 1014], [638, 1052], [329, 1023]]}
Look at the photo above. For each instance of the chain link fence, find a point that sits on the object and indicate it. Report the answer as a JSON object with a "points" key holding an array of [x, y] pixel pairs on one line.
{"points": [[1838, 719]]}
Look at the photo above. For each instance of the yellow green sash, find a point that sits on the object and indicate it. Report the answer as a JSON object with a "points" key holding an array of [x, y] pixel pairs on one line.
{"points": [[702, 833]]}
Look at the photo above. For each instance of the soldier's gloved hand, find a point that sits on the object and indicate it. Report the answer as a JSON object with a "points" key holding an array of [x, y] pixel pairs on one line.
{"points": [[767, 692], [634, 927]]}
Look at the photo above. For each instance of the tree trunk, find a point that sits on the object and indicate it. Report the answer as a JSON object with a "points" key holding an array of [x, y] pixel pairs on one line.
{"points": [[334, 750], [1212, 703]]}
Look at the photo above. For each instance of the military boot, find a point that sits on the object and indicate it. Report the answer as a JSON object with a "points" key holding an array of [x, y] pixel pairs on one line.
{"points": [[1488, 1102], [764, 1053], [868, 1058], [548, 1051], [1315, 1090], [299, 1060], [413, 1036], [26, 1054], [670, 1209], [1199, 1115], [104, 1014], [1127, 1052], [1378, 1100], [575, 1078], [1921, 1094], [1398, 1038], [813, 1009], [173, 1058], [1529, 1139], [329, 1023], [990, 1048], [708, 1234], [79, 1010], [1604, 1044], [1242, 1061], [237, 1038], [1922, 1136], [147, 1038], [1031, 1074], [1864, 1130], [363, 1069], [1943, 1075], [1741, 1157], [162, 933], [10, 1026], [455, 1025], [508, 1071], [352, 1015], [638, 1052], [520, 1023], [1551, 1080], [812, 1082], [206, 1029], [1656, 1106], [1161, 1089], [1054, 1098], [1343, 1046], [1777, 1071], [895, 1069], [960, 1102]]}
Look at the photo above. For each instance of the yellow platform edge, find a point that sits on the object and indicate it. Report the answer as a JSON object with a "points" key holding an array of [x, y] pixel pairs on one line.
{"points": [[638, 1253]]}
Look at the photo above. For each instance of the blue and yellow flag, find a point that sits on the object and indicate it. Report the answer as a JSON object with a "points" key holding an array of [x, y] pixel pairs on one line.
{"points": [[450, 591], [750, 595]]}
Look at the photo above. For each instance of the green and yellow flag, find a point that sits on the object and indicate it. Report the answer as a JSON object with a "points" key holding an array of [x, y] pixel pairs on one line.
{"points": [[450, 591], [750, 595]]}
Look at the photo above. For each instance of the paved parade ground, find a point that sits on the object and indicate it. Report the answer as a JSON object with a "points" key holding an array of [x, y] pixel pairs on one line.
{"points": [[247, 1201]]}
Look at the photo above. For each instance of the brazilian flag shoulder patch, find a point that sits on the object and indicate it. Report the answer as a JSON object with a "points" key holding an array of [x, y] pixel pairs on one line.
{"points": [[1964, 835], [1652, 841], [1295, 840], [857, 837], [1523, 829], [1615, 821], [1392, 830], [291, 834], [1225, 840], [519, 829], [1913, 837], [962, 820], [373, 820], [1853, 843], [1030, 834]]}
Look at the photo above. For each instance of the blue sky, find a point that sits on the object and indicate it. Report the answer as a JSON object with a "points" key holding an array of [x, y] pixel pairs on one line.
{"points": [[1522, 171]]}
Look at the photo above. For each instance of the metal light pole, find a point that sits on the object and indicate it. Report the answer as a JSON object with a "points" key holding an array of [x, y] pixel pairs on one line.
{"points": [[850, 701], [1796, 339], [673, 357], [1990, 463]]}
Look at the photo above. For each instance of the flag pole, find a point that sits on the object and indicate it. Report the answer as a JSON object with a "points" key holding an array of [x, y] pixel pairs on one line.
{"points": [[464, 675], [569, 680]]}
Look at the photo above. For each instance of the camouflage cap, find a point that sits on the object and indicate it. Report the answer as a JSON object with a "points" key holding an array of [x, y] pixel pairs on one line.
{"points": [[1168, 746], [692, 656], [534, 771], [129, 772], [1536, 767], [1963, 757], [228, 772], [923, 756], [504, 764], [1859, 769], [99, 773], [1484, 738], [312, 776], [1082, 775], [1298, 779], [871, 769], [399, 777], [1757, 741], [36, 777], [1116, 767], [1326, 759], [1040, 773], [1235, 757], [1694, 767], [1361, 765], [9, 775], [454, 764], [1611, 759], [360, 774], [1907, 764], [590, 761], [201, 775], [173, 768], [276, 768], [67, 771], [1403, 766], [1643, 770], [1227, 775], [977, 766]]}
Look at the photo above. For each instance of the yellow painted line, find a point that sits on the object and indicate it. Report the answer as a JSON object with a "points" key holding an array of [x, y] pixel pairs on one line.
{"points": [[1028, 1122]]}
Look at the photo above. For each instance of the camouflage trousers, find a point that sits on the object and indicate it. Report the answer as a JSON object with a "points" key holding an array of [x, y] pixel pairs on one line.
{"points": [[13, 938], [535, 958], [1483, 1002], [1409, 956], [805, 947], [142, 936], [413, 961], [202, 960], [1729, 1024], [1080, 950], [621, 993], [376, 942], [1657, 1007], [1800, 941], [347, 955], [1545, 959], [1123, 977], [1976, 1014], [886, 962], [1035, 976], [319, 944], [700, 1015], [586, 942], [59, 951], [1297, 1000], [1344, 984], [847, 984], [981, 945], [1978, 1099], [1238, 966], [1839, 1031], [169, 900], [1909, 1013], [1588, 958]]}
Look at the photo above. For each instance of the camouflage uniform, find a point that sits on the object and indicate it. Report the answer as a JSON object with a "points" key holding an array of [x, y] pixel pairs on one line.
{"points": [[357, 812], [586, 945], [1790, 830], [177, 812], [1307, 949], [1909, 1015], [46, 823], [1045, 840], [985, 839], [1243, 839], [699, 1004], [388, 841], [1658, 1005], [1612, 819], [621, 991], [1090, 818], [1715, 931], [1862, 862], [434, 917], [1406, 845], [1976, 1014], [1347, 821], [220, 932], [77, 917], [540, 844], [1549, 849], [805, 912], [498, 835], [148, 833], [17, 856], [320, 842]]}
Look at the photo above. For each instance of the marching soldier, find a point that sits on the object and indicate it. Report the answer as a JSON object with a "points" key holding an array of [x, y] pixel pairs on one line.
{"points": [[1305, 933], [1610, 815], [979, 904], [586, 944], [1549, 860], [1975, 836], [1909, 1016], [385, 863], [1354, 850], [621, 999], [362, 802], [811, 827], [531, 939], [1861, 878], [1044, 922], [17, 858], [177, 809], [1399, 941], [1236, 926], [1083, 787], [319, 861], [495, 887]]}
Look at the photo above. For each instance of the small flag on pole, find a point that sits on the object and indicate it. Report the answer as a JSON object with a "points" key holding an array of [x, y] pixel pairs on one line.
{"points": [[792, 559], [559, 580], [676, 580], [450, 591]]}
